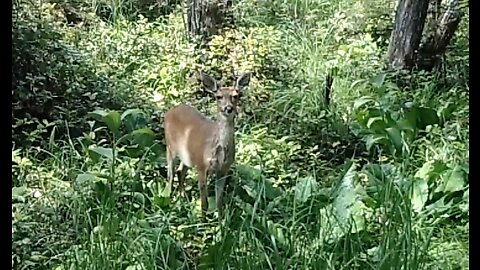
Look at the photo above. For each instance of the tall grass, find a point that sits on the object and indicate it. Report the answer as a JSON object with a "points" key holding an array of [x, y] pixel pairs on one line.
{"points": [[306, 194]]}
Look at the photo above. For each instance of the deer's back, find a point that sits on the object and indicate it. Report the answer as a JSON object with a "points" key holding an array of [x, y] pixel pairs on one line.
{"points": [[188, 133]]}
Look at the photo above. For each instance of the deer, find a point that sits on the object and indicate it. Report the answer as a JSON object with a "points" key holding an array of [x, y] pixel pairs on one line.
{"points": [[205, 144]]}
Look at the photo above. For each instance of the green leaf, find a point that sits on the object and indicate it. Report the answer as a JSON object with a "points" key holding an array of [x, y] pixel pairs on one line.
{"points": [[271, 192], [427, 116], [113, 121], [18, 193], [248, 172], [144, 131], [431, 170], [378, 80], [106, 152], [275, 230], [162, 201], [250, 190], [358, 218], [130, 112], [305, 188], [439, 206], [455, 180], [378, 121], [395, 138], [98, 115], [144, 137], [51, 141], [371, 140], [465, 204], [406, 125], [420, 194], [85, 178], [411, 118], [102, 190], [133, 151], [446, 110], [359, 102], [346, 195]]}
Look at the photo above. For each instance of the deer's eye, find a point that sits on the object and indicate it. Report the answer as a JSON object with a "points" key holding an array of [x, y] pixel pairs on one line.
{"points": [[218, 97]]}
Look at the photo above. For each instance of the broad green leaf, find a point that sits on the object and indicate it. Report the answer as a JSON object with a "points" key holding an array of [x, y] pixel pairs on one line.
{"points": [[346, 196], [378, 80], [161, 201], [405, 124], [250, 190], [305, 188], [420, 194], [389, 119], [144, 137], [466, 195], [411, 117], [371, 140], [98, 115], [431, 170], [106, 152], [465, 204], [85, 178], [144, 131], [358, 217], [427, 116], [455, 180], [130, 112], [359, 102], [439, 206], [133, 151], [446, 110], [378, 120], [113, 121], [424, 171], [395, 138], [271, 192], [18, 193], [248, 172], [101, 189]]}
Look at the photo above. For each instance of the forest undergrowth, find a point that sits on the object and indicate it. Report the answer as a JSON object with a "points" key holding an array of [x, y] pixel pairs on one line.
{"points": [[372, 176]]}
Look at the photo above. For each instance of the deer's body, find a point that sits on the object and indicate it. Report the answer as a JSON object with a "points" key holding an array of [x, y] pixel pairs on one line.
{"points": [[199, 142]]}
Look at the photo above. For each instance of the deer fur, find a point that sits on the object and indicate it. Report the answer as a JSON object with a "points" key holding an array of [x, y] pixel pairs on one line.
{"points": [[199, 142]]}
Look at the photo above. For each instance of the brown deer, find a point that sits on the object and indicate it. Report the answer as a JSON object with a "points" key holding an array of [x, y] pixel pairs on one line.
{"points": [[202, 143]]}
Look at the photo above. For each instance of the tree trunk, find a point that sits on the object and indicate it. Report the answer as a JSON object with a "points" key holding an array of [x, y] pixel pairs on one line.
{"points": [[433, 50], [208, 17], [407, 33]]}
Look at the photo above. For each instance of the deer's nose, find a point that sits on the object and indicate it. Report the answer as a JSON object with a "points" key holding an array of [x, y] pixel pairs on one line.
{"points": [[229, 109]]}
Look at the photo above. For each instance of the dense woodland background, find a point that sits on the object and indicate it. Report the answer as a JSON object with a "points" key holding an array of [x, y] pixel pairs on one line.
{"points": [[352, 141]]}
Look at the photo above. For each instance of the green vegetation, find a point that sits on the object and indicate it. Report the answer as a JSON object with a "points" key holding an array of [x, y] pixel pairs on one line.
{"points": [[377, 179]]}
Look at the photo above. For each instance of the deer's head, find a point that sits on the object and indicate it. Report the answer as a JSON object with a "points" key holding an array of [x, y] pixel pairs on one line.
{"points": [[226, 97]]}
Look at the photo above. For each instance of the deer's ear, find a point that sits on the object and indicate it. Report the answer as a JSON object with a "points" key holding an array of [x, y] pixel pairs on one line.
{"points": [[243, 81], [208, 82]]}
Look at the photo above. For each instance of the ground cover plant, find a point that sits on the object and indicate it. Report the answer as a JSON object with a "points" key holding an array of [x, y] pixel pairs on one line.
{"points": [[341, 162]]}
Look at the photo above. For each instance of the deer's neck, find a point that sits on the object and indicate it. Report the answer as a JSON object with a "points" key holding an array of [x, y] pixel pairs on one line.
{"points": [[223, 144], [224, 132]]}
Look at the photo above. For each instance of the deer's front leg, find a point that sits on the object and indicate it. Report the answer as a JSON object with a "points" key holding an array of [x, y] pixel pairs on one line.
{"points": [[181, 173], [219, 192], [170, 167], [202, 185]]}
